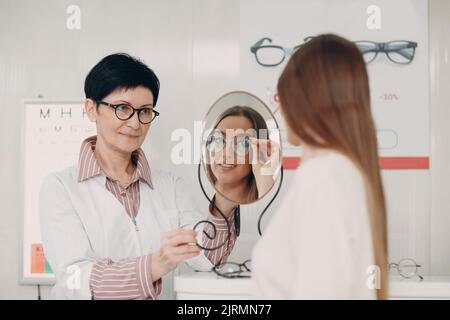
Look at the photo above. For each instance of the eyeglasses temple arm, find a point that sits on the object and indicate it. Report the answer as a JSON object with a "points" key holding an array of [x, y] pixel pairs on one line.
{"points": [[258, 44]]}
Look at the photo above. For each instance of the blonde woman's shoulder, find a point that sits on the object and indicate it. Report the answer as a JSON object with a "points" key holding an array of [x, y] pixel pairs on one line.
{"points": [[330, 165]]}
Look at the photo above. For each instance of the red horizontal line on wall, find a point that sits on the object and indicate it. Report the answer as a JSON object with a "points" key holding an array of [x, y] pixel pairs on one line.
{"points": [[386, 163]]}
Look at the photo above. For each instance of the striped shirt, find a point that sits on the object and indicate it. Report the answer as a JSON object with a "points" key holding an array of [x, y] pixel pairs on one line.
{"points": [[131, 278]]}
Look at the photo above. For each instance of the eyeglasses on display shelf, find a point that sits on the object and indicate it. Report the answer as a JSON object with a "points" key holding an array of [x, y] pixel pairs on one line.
{"points": [[233, 270], [407, 268]]}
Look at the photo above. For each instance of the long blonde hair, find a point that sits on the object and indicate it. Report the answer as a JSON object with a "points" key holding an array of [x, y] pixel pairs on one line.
{"points": [[324, 95]]}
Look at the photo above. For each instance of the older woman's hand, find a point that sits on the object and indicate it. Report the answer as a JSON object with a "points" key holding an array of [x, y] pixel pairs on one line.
{"points": [[176, 246]]}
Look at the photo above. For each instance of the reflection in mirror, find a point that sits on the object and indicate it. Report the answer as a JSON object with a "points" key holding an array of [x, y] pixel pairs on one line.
{"points": [[241, 157], [242, 148]]}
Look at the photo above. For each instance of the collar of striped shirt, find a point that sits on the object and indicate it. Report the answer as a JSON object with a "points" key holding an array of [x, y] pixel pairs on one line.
{"points": [[89, 167]]}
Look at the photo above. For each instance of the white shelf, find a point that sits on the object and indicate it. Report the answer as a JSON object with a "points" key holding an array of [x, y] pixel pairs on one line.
{"points": [[206, 285], [429, 288]]}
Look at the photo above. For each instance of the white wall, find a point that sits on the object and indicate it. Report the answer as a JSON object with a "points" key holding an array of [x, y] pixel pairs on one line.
{"points": [[440, 133], [193, 45]]}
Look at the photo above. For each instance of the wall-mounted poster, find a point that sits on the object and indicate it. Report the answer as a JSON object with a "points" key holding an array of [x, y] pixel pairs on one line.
{"points": [[397, 30], [52, 135]]}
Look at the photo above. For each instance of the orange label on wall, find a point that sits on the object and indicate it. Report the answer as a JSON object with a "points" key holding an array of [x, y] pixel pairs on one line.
{"points": [[37, 258]]}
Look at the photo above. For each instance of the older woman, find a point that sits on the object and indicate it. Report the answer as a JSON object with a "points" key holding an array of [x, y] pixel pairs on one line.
{"points": [[112, 228]]}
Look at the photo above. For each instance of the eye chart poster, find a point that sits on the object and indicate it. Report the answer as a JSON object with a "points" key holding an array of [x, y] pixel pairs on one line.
{"points": [[399, 92], [52, 134]]}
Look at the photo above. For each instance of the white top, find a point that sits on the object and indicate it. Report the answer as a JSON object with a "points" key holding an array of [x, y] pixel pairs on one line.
{"points": [[83, 222], [318, 245]]}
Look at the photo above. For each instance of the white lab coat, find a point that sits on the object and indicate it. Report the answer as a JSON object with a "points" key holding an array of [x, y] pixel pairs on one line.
{"points": [[82, 223]]}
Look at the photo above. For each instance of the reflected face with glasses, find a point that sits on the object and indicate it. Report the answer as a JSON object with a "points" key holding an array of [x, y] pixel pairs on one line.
{"points": [[233, 270], [229, 151], [407, 268], [229, 148], [123, 117]]}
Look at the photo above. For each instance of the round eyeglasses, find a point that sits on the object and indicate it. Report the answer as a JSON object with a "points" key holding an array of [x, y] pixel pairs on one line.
{"points": [[407, 268], [240, 143], [124, 112]]}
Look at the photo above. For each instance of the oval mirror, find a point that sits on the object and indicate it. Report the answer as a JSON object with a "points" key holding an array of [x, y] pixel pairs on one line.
{"points": [[241, 147]]}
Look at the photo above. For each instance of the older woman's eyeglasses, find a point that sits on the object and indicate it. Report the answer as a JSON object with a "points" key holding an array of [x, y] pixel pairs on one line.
{"points": [[125, 111]]}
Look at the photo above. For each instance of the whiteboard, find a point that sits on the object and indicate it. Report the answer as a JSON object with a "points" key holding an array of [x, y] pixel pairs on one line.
{"points": [[52, 133]]}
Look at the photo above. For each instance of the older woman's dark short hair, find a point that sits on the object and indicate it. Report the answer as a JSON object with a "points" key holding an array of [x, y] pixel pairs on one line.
{"points": [[119, 71]]}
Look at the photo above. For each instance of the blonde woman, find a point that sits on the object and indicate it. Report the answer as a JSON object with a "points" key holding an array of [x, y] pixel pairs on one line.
{"points": [[329, 233]]}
